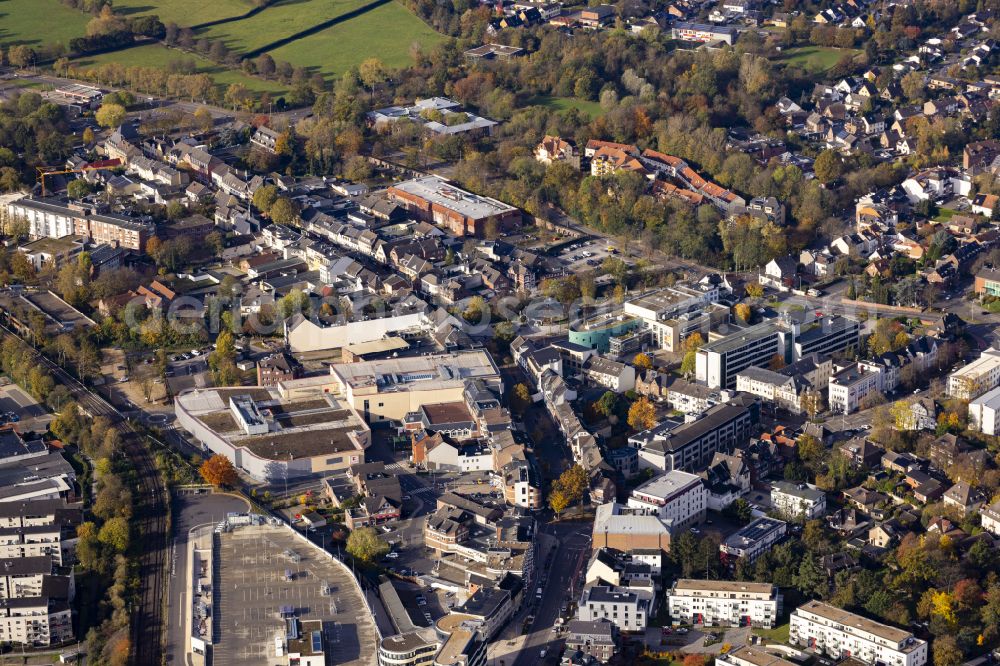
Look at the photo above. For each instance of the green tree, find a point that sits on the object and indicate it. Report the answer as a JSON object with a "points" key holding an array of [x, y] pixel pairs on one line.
{"points": [[829, 166], [284, 211], [810, 578], [520, 398], [607, 404], [114, 533], [110, 115], [264, 197], [689, 363], [365, 545]]}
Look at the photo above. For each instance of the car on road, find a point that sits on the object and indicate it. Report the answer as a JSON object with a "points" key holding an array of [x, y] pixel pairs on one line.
{"points": [[392, 556], [386, 529], [406, 497]]}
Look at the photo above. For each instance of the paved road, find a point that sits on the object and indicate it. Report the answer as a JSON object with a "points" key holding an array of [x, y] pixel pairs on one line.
{"points": [[150, 516], [189, 511], [561, 587]]}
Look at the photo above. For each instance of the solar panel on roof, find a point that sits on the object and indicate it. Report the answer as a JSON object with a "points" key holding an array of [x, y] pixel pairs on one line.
{"points": [[317, 641]]}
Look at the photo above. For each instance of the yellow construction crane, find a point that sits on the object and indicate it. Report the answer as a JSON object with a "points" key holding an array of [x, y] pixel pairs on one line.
{"points": [[44, 171]]}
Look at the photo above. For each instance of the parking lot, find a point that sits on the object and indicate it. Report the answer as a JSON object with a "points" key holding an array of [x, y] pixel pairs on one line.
{"points": [[263, 569], [16, 406], [584, 255]]}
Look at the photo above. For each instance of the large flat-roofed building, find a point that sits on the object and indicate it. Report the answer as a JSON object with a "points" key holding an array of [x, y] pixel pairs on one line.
{"points": [[53, 218], [678, 497], [840, 634], [272, 438], [722, 603], [983, 412], [413, 648], [629, 529], [389, 389], [690, 446], [718, 363], [752, 655], [703, 32], [434, 199], [827, 335], [754, 540], [673, 314], [976, 378]]}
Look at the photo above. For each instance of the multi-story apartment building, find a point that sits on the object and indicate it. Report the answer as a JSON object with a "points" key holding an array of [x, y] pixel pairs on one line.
{"points": [[678, 497], [984, 412], [721, 603], [990, 518], [627, 608], [51, 218], [752, 655], [596, 639], [690, 446], [798, 500], [753, 540], [849, 387], [840, 634], [976, 378], [409, 649], [37, 621], [826, 336]]}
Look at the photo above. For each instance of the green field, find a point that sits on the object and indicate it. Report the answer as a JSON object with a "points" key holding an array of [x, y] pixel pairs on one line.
{"points": [[184, 12], [945, 214], [279, 21], [777, 635], [39, 22], [385, 33], [155, 55], [815, 58], [592, 109]]}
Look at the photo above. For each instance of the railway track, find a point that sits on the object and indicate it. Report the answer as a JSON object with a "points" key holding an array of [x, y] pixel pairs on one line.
{"points": [[150, 523]]}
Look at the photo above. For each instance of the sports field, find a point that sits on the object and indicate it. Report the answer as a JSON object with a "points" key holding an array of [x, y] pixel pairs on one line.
{"points": [[586, 107], [39, 22], [816, 58], [184, 12], [156, 55], [386, 33], [278, 21]]}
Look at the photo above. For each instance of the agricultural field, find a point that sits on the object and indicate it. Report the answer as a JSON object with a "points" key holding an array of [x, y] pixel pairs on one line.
{"points": [[586, 107], [39, 22], [815, 58], [279, 21], [156, 55], [386, 32], [184, 12]]}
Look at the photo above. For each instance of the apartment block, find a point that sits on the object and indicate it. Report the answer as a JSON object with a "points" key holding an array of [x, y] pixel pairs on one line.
{"points": [[983, 413], [798, 500], [720, 603], [52, 218], [754, 540], [627, 608], [976, 378], [678, 497], [840, 634], [849, 387]]}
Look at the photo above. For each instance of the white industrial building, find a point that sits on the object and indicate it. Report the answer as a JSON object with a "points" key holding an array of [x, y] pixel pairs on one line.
{"points": [[678, 497], [721, 603], [840, 634]]}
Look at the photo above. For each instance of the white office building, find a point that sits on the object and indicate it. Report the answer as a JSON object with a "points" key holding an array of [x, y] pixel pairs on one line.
{"points": [[721, 603], [983, 413], [753, 540], [976, 378], [825, 628], [679, 498], [798, 500]]}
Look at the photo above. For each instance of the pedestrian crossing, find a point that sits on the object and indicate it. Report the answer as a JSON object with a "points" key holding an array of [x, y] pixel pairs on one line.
{"points": [[421, 490], [398, 466]]}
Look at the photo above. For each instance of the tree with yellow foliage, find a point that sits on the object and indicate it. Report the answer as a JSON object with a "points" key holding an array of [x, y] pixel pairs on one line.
{"points": [[642, 414], [642, 362]]}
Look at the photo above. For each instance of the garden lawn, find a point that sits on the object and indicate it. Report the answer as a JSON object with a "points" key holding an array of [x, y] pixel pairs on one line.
{"points": [[385, 32], [184, 12], [280, 21], [777, 635], [815, 58], [157, 55], [39, 22], [945, 214], [591, 109]]}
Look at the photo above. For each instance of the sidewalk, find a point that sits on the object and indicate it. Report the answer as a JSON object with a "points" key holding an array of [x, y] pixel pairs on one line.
{"points": [[508, 643]]}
